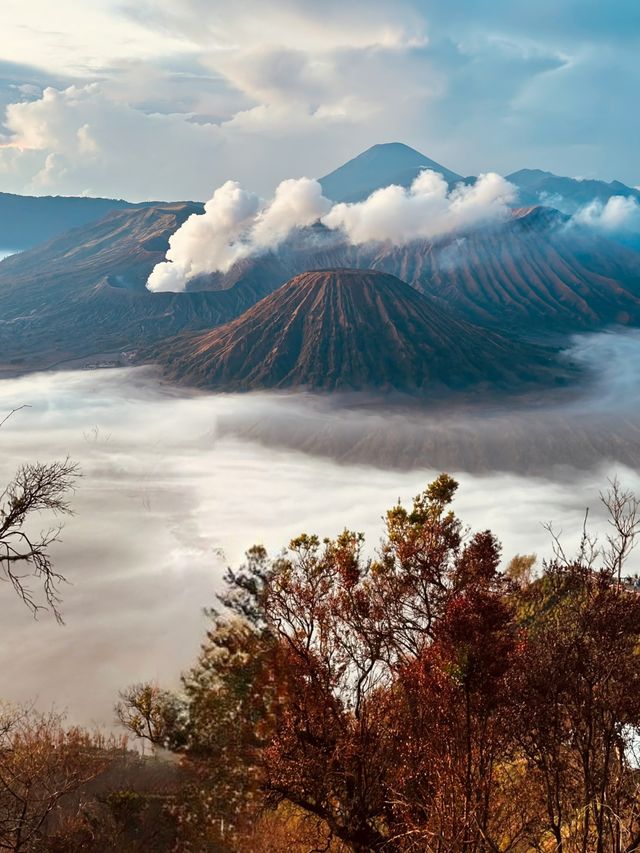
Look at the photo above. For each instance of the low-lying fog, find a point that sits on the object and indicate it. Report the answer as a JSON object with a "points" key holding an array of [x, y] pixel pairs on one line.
{"points": [[176, 486]]}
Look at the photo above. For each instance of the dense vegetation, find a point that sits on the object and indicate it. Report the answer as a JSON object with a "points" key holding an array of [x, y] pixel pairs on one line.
{"points": [[418, 699]]}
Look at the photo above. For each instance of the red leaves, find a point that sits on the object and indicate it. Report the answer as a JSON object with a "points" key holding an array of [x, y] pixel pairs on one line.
{"points": [[421, 695]]}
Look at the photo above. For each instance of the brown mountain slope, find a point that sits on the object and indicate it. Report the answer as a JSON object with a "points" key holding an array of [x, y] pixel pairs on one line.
{"points": [[84, 292], [352, 330], [533, 273]]}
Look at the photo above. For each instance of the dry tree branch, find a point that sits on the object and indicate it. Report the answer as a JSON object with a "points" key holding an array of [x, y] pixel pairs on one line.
{"points": [[36, 487], [13, 411], [623, 508]]}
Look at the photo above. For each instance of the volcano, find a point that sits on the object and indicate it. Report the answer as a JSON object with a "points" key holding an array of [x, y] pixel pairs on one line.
{"points": [[378, 167], [353, 330]]}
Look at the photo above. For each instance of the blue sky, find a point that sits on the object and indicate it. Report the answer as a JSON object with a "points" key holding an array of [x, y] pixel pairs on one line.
{"points": [[169, 98]]}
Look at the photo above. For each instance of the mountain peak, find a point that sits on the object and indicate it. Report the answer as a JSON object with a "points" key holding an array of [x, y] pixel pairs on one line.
{"points": [[391, 149], [351, 330], [522, 176], [379, 166]]}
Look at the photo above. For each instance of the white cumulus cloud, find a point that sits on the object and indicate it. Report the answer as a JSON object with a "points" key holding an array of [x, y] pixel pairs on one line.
{"points": [[427, 209], [234, 225], [619, 214]]}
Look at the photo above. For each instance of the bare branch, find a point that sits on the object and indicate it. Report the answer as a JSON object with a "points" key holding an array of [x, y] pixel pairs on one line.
{"points": [[624, 519], [12, 413], [36, 488]]}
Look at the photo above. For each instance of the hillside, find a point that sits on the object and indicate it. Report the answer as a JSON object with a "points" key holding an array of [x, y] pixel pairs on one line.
{"points": [[84, 292], [348, 330], [533, 274], [27, 221]]}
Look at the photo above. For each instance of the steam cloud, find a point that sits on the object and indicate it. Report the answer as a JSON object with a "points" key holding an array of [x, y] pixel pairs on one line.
{"points": [[172, 480], [426, 210], [234, 225], [237, 224], [619, 214]]}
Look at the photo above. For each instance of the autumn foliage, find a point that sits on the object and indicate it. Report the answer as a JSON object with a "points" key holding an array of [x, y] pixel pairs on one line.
{"points": [[418, 697], [409, 697]]}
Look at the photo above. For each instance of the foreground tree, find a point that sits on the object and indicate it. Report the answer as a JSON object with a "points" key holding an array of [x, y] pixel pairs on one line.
{"points": [[41, 764], [578, 703], [418, 698], [25, 555]]}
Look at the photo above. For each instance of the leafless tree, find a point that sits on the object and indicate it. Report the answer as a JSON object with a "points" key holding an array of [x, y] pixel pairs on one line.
{"points": [[623, 509], [25, 555]]}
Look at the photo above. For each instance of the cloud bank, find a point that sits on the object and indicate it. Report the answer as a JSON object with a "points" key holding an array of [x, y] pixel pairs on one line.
{"points": [[619, 215], [236, 224], [172, 492], [426, 210], [185, 94]]}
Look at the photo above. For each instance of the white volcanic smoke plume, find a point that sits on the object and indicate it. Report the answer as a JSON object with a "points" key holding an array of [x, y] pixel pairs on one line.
{"points": [[426, 210], [619, 214], [236, 223]]}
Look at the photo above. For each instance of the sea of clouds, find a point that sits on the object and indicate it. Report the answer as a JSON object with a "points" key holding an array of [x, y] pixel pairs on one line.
{"points": [[176, 486]]}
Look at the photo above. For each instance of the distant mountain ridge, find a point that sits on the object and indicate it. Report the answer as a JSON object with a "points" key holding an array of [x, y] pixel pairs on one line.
{"points": [[532, 275], [396, 163], [27, 221], [353, 330], [84, 293], [536, 186]]}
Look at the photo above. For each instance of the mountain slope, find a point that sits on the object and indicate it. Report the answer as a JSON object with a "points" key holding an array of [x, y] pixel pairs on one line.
{"points": [[380, 166], [27, 221], [84, 292], [352, 330], [533, 273]]}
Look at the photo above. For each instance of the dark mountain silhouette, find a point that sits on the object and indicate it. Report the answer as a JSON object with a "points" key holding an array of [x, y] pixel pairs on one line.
{"points": [[27, 221], [351, 330], [380, 166]]}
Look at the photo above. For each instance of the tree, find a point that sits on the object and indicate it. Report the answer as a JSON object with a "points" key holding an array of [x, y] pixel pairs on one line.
{"points": [[417, 698], [153, 715], [578, 697], [340, 633], [520, 569], [35, 488], [41, 764]]}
